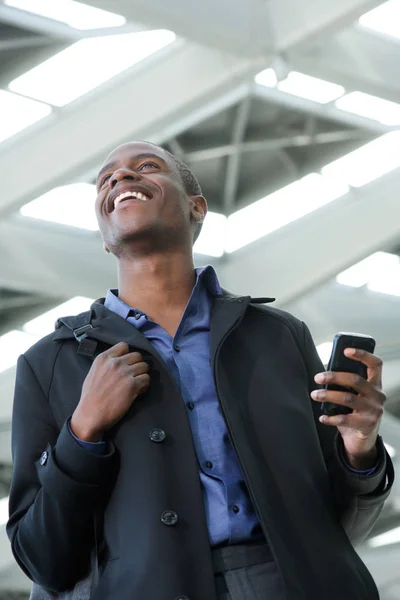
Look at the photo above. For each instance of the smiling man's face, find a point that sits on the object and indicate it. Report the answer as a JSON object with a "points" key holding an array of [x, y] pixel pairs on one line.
{"points": [[141, 198]]}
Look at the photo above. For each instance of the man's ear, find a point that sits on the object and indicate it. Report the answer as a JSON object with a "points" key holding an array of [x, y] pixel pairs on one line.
{"points": [[199, 208]]}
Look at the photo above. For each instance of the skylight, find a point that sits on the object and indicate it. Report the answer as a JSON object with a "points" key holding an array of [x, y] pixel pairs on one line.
{"points": [[384, 19], [267, 78], [369, 162], [75, 14], [371, 107], [19, 113], [71, 205], [311, 88], [87, 64], [44, 324], [211, 241], [368, 269], [280, 208], [12, 345]]}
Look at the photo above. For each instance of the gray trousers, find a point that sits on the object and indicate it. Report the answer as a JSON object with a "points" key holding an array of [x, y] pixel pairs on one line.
{"points": [[246, 572]]}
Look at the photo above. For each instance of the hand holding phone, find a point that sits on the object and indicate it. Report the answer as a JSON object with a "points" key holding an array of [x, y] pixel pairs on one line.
{"points": [[340, 363]]}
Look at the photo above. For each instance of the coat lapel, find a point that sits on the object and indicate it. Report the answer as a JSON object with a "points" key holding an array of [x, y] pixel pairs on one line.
{"points": [[226, 313]]}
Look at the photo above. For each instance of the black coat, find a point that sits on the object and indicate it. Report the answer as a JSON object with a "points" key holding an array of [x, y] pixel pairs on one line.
{"points": [[309, 504]]}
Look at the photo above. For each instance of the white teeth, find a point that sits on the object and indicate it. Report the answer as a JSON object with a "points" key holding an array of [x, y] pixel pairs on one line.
{"points": [[124, 195]]}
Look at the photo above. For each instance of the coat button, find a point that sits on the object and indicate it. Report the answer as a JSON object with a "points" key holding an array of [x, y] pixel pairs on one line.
{"points": [[182, 598], [43, 459], [169, 517], [157, 435]]}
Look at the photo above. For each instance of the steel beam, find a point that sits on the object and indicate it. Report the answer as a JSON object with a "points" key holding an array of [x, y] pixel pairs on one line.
{"points": [[276, 144], [166, 88], [245, 28]]}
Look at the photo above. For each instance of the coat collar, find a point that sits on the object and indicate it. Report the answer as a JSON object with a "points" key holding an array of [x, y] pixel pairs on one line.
{"points": [[109, 328]]}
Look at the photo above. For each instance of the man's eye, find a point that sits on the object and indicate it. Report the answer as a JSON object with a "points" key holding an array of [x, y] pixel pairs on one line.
{"points": [[148, 164], [104, 180]]}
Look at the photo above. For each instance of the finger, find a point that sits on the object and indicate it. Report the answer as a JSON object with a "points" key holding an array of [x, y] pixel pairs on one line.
{"points": [[371, 361], [343, 398], [132, 358], [362, 422], [139, 369], [348, 380], [142, 381], [119, 349]]}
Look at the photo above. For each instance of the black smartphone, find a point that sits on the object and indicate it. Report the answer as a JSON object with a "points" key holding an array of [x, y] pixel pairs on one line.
{"points": [[340, 362]]}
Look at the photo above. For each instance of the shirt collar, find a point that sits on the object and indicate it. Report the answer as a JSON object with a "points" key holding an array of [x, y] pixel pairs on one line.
{"points": [[206, 276]]}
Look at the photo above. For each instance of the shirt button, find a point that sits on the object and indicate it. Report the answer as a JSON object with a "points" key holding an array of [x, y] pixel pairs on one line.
{"points": [[182, 598], [43, 459], [190, 405], [169, 518], [235, 508], [177, 348], [157, 435], [209, 465]]}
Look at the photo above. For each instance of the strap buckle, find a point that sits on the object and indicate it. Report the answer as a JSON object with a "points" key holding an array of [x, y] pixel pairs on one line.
{"points": [[81, 332]]}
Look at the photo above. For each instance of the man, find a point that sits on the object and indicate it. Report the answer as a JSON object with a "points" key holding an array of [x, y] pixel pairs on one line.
{"points": [[171, 429]]}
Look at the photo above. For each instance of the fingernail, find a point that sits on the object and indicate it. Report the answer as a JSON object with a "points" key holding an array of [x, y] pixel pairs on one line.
{"points": [[320, 378], [352, 351]]}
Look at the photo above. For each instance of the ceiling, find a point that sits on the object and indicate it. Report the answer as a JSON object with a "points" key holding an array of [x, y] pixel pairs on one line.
{"points": [[244, 140]]}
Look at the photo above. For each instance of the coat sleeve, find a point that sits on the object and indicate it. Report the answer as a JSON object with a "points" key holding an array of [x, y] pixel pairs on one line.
{"points": [[359, 499], [55, 489]]}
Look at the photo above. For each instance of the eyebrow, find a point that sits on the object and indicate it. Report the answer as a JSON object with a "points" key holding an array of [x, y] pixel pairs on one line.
{"points": [[112, 165]]}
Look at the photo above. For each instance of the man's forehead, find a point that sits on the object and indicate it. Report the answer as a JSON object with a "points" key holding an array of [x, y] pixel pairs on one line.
{"points": [[132, 149]]}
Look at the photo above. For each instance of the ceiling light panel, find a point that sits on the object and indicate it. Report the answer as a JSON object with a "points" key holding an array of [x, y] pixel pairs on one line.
{"points": [[280, 208], [267, 78], [87, 64], [44, 324], [367, 163], [380, 272], [12, 345], [324, 351], [384, 19], [20, 113], [211, 241], [371, 107], [311, 88], [384, 539], [75, 14], [71, 205]]}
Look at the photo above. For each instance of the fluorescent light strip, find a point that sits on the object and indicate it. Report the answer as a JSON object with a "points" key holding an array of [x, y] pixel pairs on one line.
{"points": [[384, 19], [44, 323], [87, 64], [367, 163], [371, 107], [75, 14], [311, 88], [211, 241], [280, 208], [71, 205], [19, 113], [12, 345]]}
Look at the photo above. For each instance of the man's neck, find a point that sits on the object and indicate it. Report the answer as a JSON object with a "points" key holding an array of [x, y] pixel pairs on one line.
{"points": [[159, 284]]}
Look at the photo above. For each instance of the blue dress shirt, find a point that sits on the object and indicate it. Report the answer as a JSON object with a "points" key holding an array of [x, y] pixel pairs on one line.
{"points": [[231, 518]]}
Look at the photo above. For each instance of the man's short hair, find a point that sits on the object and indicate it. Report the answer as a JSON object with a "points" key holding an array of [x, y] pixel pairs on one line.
{"points": [[190, 182]]}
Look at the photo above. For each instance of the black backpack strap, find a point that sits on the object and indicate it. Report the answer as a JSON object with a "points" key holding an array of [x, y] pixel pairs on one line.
{"points": [[80, 325]]}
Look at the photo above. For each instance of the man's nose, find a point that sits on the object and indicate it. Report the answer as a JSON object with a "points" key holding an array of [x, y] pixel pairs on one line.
{"points": [[121, 174]]}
